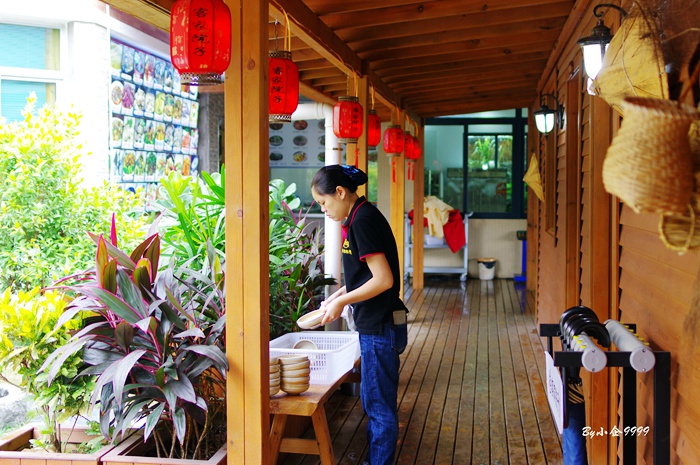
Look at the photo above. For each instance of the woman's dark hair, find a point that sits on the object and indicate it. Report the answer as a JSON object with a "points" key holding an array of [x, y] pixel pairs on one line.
{"points": [[329, 177]]}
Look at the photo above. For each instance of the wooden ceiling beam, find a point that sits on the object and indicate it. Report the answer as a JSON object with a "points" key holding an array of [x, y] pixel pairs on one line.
{"points": [[392, 15], [478, 32], [478, 74], [469, 46], [318, 73], [309, 28], [155, 12], [474, 105], [315, 95], [475, 91], [495, 19], [460, 56], [435, 85], [324, 7], [468, 66]]}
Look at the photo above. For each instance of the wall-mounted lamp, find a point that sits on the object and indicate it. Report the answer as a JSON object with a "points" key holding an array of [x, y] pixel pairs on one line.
{"points": [[545, 116], [595, 45]]}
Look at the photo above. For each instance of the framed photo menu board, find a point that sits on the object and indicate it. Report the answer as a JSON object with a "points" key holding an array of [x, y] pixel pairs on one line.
{"points": [[153, 124]]}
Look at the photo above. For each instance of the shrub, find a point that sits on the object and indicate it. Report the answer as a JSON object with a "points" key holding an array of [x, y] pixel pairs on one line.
{"points": [[29, 334], [155, 340], [44, 211]]}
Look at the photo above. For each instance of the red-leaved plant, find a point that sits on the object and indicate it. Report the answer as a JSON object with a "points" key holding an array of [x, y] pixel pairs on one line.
{"points": [[155, 342]]}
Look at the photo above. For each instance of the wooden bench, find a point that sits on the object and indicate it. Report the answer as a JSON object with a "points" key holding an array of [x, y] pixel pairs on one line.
{"points": [[307, 404]]}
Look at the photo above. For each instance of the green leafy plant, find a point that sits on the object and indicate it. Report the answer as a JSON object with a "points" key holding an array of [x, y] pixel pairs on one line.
{"points": [[155, 342], [297, 280], [29, 334], [44, 210], [193, 215]]}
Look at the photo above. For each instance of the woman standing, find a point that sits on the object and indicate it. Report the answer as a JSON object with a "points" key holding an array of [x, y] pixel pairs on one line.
{"points": [[372, 283]]}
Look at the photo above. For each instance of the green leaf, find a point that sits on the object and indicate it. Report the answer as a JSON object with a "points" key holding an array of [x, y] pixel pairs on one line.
{"points": [[182, 387], [122, 371], [131, 294], [211, 352], [139, 251], [180, 423], [115, 253], [152, 420], [115, 304], [193, 332], [124, 335]]}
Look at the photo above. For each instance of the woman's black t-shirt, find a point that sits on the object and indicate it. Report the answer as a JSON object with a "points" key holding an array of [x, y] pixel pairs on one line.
{"points": [[366, 232]]}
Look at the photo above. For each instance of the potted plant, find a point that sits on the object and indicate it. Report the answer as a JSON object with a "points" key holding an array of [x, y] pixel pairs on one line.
{"points": [[297, 280], [155, 342], [30, 334]]}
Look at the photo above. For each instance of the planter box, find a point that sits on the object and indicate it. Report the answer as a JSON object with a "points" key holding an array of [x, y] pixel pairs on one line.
{"points": [[12, 451], [133, 451]]}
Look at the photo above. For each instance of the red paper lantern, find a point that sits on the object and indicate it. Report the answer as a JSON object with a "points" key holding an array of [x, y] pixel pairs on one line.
{"points": [[283, 77], [414, 152], [408, 146], [374, 129], [200, 40], [416, 148], [347, 119], [393, 140]]}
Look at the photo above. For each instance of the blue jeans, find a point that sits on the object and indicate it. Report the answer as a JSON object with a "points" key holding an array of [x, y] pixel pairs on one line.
{"points": [[379, 390]]}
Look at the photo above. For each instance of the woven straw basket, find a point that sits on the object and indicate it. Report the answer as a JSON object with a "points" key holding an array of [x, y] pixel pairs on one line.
{"points": [[648, 165], [682, 232]]}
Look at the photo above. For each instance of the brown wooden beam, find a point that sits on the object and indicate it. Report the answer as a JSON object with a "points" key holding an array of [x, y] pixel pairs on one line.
{"points": [[497, 18], [307, 26], [488, 44], [478, 32], [155, 12], [398, 16]]}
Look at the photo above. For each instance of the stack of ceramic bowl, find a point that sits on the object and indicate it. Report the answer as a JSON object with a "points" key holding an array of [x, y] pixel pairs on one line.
{"points": [[295, 373], [274, 376]]}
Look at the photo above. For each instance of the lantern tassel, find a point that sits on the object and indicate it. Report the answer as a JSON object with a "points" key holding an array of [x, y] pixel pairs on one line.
{"points": [[357, 156], [393, 169]]}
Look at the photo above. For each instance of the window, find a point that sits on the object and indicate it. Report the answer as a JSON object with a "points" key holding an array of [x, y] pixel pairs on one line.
{"points": [[29, 62], [476, 163]]}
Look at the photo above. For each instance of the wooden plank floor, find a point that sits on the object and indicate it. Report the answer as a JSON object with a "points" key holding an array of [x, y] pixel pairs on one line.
{"points": [[471, 384]]}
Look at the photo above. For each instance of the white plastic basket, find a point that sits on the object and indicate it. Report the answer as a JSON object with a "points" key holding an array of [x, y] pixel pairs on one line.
{"points": [[336, 354]]}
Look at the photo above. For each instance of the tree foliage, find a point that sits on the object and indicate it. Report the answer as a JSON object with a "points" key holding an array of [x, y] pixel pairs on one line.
{"points": [[44, 210]]}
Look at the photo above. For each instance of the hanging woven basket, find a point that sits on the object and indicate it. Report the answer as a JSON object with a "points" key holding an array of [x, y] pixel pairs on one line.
{"points": [[648, 164]]}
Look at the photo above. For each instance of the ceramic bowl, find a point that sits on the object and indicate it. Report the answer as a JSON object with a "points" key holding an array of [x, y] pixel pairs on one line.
{"points": [[311, 320], [295, 390], [297, 366], [305, 344], [295, 381], [292, 359], [303, 372]]}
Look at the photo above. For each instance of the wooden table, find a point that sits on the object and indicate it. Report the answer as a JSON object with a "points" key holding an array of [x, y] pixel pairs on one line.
{"points": [[307, 404]]}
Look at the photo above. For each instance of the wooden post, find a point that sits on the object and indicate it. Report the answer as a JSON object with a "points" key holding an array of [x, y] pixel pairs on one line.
{"points": [[398, 188], [597, 406], [363, 94], [418, 197], [247, 230]]}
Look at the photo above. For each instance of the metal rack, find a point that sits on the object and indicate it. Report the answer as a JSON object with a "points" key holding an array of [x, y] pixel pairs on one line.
{"points": [[408, 255], [662, 393]]}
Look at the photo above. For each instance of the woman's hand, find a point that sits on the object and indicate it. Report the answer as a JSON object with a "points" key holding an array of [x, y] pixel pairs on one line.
{"points": [[334, 309]]}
